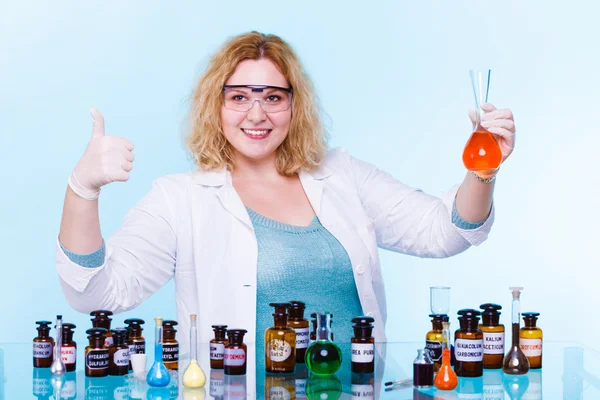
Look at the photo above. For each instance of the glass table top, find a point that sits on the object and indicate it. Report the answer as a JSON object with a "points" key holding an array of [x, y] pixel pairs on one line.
{"points": [[570, 371]]}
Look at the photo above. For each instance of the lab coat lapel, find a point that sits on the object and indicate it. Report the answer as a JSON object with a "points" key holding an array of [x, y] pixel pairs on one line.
{"points": [[313, 183]]}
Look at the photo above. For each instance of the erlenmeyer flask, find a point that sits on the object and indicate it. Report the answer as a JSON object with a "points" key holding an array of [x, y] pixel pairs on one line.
{"points": [[482, 153]]}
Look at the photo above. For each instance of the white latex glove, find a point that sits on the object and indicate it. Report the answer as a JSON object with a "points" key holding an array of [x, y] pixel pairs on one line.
{"points": [[501, 124], [106, 159]]}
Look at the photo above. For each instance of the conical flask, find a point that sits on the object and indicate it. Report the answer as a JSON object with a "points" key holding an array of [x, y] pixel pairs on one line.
{"points": [[482, 154]]}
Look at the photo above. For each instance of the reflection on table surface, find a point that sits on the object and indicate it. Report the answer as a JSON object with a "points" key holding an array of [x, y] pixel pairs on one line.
{"points": [[570, 371]]}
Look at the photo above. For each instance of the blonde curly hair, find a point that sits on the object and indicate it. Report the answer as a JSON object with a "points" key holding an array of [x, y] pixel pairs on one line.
{"points": [[306, 143]]}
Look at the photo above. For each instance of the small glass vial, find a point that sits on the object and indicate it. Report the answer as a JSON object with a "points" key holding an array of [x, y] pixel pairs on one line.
{"points": [[422, 369], [493, 336], [531, 338], [68, 350], [118, 353], [217, 346], [234, 359], [280, 343], [363, 345], [101, 320], [170, 345], [468, 345], [323, 357], [96, 354], [300, 325], [135, 340], [43, 346], [433, 339]]}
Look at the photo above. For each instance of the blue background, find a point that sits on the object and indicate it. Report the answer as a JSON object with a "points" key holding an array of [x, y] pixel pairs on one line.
{"points": [[393, 79]]}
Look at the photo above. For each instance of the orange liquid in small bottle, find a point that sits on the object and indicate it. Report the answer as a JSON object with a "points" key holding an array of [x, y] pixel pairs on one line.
{"points": [[445, 378], [482, 153]]}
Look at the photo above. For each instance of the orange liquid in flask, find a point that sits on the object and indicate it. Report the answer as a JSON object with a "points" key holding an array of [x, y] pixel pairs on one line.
{"points": [[482, 152]]}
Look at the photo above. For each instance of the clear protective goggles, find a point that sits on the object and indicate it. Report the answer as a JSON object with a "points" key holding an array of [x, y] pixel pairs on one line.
{"points": [[272, 99]]}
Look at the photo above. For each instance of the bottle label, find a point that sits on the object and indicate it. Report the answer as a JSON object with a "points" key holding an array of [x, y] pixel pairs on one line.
{"points": [[279, 350], [301, 338], [435, 349], [108, 341], [216, 351], [234, 357], [171, 352], [363, 352], [493, 342], [68, 354], [139, 347], [531, 347], [42, 349], [121, 357], [468, 350], [363, 392], [97, 359]]}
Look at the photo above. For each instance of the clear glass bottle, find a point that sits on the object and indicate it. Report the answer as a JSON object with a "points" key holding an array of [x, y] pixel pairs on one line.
{"points": [[102, 320], [193, 377], [170, 345], [363, 345], [515, 362], [323, 357], [43, 346], [217, 346], [468, 345], [531, 340], [96, 354], [422, 369], [493, 335], [118, 353], [300, 325], [280, 342], [446, 378], [68, 350], [236, 353], [433, 339], [158, 376]]}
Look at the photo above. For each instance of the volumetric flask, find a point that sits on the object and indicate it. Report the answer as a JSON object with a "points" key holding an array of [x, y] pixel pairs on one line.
{"points": [[439, 299]]}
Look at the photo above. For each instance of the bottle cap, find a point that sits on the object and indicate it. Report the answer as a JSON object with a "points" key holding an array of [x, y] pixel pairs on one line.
{"points": [[280, 308], [468, 313], [101, 313], [296, 309], [363, 321], [137, 322], [43, 328], [490, 314], [219, 327], [530, 318], [236, 336], [119, 336], [169, 324]]}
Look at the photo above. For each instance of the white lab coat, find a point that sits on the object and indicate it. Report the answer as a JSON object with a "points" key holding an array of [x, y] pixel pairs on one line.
{"points": [[193, 227]]}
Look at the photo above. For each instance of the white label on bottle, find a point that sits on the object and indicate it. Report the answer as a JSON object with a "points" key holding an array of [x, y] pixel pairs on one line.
{"points": [[531, 347], [121, 357], [216, 351], [435, 349], [301, 338], [234, 357], [468, 350], [279, 350], [42, 349], [493, 342], [363, 392], [363, 352], [279, 392], [68, 354], [108, 341]]}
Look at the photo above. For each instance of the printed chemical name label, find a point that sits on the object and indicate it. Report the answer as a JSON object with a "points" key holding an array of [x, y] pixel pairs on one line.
{"points": [[531, 347], [363, 352], [216, 351], [302, 338], [467, 350], [171, 352], [139, 348], [493, 342], [97, 359], [279, 350], [68, 355], [121, 357], [42, 349], [234, 357], [435, 349]]}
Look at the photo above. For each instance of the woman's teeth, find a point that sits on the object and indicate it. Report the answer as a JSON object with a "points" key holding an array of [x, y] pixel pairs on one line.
{"points": [[256, 132]]}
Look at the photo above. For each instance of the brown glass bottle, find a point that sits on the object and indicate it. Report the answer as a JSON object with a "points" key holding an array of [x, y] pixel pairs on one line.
{"points": [[468, 345], [135, 340], [531, 340], [170, 345], [363, 345], [493, 336], [433, 339], [43, 346], [297, 322], [96, 354], [118, 353], [234, 359], [101, 320], [68, 350], [217, 346], [280, 342]]}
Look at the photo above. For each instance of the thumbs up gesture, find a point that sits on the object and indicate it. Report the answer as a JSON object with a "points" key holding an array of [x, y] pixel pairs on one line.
{"points": [[106, 159]]}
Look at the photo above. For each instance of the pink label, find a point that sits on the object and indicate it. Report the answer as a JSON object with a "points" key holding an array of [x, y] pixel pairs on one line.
{"points": [[68, 354]]}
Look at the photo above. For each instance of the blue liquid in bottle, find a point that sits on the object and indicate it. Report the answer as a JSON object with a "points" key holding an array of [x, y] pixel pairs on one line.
{"points": [[158, 376]]}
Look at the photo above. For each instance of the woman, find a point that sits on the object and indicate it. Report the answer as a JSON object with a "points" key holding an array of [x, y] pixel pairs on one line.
{"points": [[270, 214]]}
